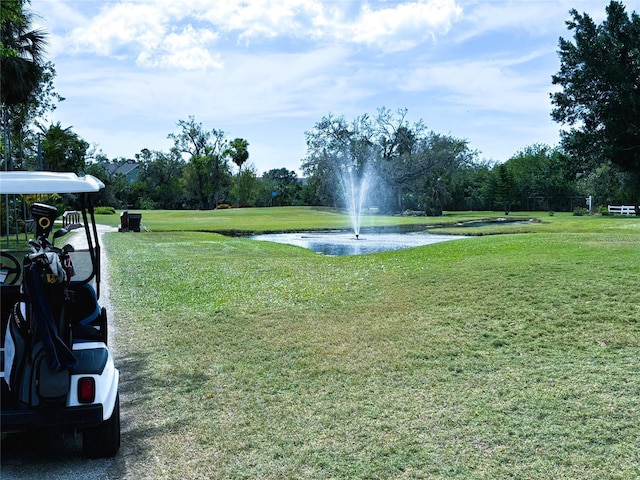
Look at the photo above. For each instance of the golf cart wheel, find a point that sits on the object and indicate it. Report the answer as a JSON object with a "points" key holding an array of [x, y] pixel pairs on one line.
{"points": [[103, 440]]}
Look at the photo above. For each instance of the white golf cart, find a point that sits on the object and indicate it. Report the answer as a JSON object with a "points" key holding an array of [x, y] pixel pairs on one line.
{"points": [[57, 371]]}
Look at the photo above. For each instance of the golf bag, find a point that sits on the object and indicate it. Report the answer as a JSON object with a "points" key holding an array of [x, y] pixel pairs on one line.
{"points": [[37, 341]]}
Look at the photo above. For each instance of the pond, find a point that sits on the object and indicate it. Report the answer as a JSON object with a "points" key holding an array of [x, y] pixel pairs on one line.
{"points": [[341, 243]]}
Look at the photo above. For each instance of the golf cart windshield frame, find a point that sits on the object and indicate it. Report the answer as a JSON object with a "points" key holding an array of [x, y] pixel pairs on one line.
{"points": [[21, 183]]}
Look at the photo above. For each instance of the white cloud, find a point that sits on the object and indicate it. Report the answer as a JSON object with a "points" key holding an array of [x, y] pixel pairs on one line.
{"points": [[117, 27], [185, 34], [185, 49], [257, 19], [354, 22], [405, 25]]}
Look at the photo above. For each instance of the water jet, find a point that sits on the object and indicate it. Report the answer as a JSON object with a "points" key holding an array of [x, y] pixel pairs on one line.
{"points": [[355, 189]]}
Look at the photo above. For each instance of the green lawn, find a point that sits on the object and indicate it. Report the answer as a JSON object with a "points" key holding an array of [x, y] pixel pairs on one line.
{"points": [[281, 219], [496, 356], [277, 219]]}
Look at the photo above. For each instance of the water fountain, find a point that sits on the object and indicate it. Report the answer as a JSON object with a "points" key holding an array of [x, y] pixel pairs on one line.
{"points": [[356, 186], [355, 190]]}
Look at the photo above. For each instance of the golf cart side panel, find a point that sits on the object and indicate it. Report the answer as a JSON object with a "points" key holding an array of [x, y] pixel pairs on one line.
{"points": [[95, 360]]}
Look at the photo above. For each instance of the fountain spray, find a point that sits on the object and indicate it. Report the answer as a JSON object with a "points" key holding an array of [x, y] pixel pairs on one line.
{"points": [[355, 192]]}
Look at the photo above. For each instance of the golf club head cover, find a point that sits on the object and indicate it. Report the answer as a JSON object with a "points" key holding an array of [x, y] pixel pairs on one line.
{"points": [[44, 216]]}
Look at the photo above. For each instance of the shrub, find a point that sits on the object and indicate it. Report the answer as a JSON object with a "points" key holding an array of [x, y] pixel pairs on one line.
{"points": [[222, 206], [580, 211], [105, 211], [413, 213]]}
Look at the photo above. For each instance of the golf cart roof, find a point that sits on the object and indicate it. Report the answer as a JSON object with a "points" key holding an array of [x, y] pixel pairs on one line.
{"points": [[21, 182]]}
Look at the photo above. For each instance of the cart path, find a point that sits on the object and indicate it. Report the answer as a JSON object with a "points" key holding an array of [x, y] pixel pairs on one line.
{"points": [[79, 241], [58, 456]]}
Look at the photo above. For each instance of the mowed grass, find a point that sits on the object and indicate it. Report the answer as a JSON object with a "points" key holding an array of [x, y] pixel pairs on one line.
{"points": [[276, 219], [249, 219], [281, 219], [501, 356]]}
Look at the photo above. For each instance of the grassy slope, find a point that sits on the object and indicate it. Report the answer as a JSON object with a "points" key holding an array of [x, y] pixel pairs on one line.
{"points": [[511, 356]]}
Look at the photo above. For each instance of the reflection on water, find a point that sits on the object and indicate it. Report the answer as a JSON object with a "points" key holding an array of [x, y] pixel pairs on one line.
{"points": [[330, 243]]}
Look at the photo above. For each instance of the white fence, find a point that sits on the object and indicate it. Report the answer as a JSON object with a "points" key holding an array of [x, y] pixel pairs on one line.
{"points": [[622, 209]]}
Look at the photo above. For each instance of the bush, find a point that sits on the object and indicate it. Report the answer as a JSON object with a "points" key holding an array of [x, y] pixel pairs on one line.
{"points": [[222, 206], [580, 211], [105, 211], [413, 213], [602, 210]]}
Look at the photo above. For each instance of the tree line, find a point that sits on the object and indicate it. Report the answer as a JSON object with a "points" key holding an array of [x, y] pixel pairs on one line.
{"points": [[412, 168], [196, 173]]}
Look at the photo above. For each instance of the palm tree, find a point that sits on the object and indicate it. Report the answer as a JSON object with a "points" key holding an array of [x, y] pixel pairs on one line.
{"points": [[64, 150], [21, 63], [239, 153]]}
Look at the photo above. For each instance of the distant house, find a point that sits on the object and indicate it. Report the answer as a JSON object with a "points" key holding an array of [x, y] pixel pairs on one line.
{"points": [[128, 169]]}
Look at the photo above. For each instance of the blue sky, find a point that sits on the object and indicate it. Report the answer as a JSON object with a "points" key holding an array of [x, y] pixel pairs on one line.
{"points": [[268, 70]]}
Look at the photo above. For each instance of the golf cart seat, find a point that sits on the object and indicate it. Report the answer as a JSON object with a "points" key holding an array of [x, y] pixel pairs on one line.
{"points": [[87, 319]]}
